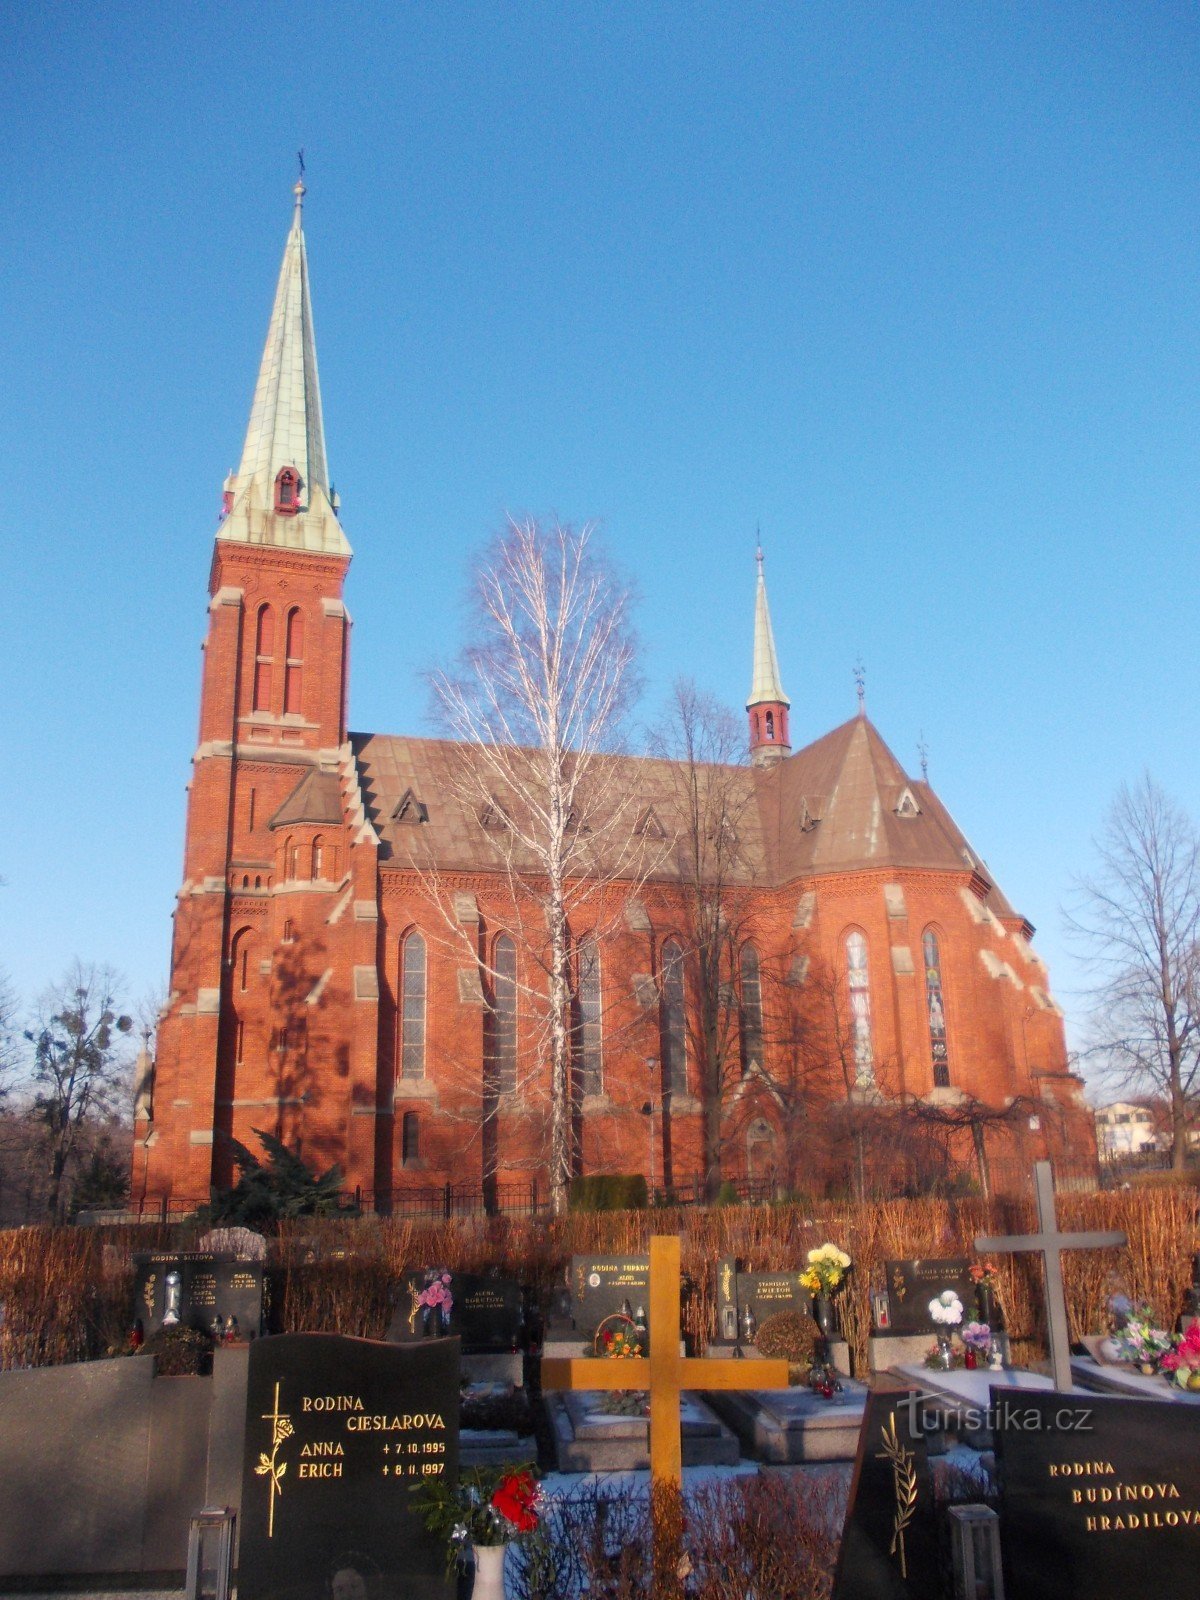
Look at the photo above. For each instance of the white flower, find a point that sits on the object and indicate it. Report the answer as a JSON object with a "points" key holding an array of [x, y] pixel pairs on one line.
{"points": [[947, 1308]]}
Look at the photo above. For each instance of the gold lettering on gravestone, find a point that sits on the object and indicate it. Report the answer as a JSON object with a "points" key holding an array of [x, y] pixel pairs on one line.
{"points": [[270, 1465], [243, 1280], [1156, 1493], [904, 1481]]}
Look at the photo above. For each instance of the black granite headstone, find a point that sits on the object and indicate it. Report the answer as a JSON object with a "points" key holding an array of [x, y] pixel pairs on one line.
{"points": [[210, 1286], [1099, 1496], [487, 1313], [889, 1547], [337, 1430], [911, 1285], [604, 1285], [763, 1292]]}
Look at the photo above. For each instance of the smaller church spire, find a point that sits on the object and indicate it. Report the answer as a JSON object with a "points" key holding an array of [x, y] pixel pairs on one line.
{"points": [[768, 705]]}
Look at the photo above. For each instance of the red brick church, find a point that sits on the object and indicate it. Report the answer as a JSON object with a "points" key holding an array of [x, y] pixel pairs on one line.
{"points": [[877, 979]]}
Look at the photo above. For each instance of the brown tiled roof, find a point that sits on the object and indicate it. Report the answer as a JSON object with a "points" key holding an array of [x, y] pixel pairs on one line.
{"points": [[316, 798], [840, 804]]}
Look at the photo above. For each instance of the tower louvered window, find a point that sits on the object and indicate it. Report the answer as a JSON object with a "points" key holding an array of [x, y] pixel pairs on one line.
{"points": [[412, 1007], [264, 658], [293, 671], [935, 1008], [674, 1020], [751, 1011], [589, 1037], [501, 1049], [859, 984]]}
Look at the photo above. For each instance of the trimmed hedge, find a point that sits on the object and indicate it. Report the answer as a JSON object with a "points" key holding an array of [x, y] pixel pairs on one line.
{"points": [[609, 1191]]}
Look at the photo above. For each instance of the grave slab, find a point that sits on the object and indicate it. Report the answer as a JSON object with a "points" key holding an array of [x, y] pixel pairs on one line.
{"points": [[793, 1426], [587, 1439], [1103, 1378]]}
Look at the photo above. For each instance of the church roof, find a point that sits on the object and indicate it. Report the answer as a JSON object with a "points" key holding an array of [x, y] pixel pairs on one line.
{"points": [[286, 427], [766, 686], [840, 804], [316, 798]]}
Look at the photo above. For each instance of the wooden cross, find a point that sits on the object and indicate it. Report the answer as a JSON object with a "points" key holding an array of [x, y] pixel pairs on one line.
{"points": [[1050, 1244], [666, 1374]]}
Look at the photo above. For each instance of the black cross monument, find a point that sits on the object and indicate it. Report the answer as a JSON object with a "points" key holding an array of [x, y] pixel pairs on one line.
{"points": [[1050, 1244]]}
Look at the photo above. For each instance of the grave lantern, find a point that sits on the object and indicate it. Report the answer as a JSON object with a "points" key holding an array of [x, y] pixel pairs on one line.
{"points": [[975, 1537], [210, 1554]]}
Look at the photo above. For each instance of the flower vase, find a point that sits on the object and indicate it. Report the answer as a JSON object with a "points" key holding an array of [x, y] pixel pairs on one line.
{"points": [[489, 1571], [944, 1360], [985, 1300], [822, 1314]]}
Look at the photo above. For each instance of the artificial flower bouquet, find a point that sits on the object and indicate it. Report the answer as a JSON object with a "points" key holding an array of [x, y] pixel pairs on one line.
{"points": [[984, 1274], [826, 1270], [1136, 1339], [977, 1336], [946, 1309], [488, 1506], [436, 1296], [1181, 1364]]}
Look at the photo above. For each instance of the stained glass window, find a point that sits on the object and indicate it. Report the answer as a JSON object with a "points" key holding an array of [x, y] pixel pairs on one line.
{"points": [[674, 1021], [589, 1038], [936, 1009], [412, 1007], [751, 1013], [502, 1019], [858, 983]]}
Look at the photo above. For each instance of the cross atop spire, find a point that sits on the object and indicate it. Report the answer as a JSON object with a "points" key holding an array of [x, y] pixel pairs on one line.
{"points": [[767, 705], [280, 493]]}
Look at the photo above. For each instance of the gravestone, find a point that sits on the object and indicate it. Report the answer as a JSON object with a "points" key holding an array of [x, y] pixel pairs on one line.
{"points": [[209, 1285], [487, 1314], [1099, 1496], [763, 1293], [889, 1548], [911, 1285], [337, 1430], [601, 1286]]}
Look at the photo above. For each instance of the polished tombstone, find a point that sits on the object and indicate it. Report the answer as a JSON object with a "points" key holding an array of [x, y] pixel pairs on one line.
{"points": [[603, 1286], [889, 1548], [1100, 1497], [759, 1293], [911, 1285], [199, 1287], [337, 1431], [487, 1313]]}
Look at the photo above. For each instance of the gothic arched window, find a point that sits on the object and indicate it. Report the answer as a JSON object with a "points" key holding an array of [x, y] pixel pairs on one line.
{"points": [[318, 857], [501, 1033], [412, 1007], [935, 1008], [410, 1138], [287, 492], [673, 1023], [264, 658], [590, 1037], [293, 670], [859, 984], [751, 1011], [770, 724]]}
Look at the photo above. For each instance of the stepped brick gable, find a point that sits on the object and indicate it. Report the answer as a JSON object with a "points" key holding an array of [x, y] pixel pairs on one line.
{"points": [[343, 968]]}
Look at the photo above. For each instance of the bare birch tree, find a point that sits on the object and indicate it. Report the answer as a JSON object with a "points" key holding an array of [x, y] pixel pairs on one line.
{"points": [[1138, 922], [704, 744], [538, 703]]}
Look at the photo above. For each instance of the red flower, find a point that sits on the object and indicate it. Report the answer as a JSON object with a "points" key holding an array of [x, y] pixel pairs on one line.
{"points": [[514, 1498]]}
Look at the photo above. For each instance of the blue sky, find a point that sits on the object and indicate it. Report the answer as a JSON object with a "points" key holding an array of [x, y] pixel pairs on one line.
{"points": [[914, 287]]}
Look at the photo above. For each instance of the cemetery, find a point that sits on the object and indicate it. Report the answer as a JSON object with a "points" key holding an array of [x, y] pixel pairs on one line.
{"points": [[890, 1399]]}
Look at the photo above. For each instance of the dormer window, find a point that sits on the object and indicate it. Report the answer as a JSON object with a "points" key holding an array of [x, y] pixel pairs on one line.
{"points": [[287, 492]]}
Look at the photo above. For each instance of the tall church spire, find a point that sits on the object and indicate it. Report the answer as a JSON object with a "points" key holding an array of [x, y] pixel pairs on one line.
{"points": [[768, 705], [280, 494]]}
